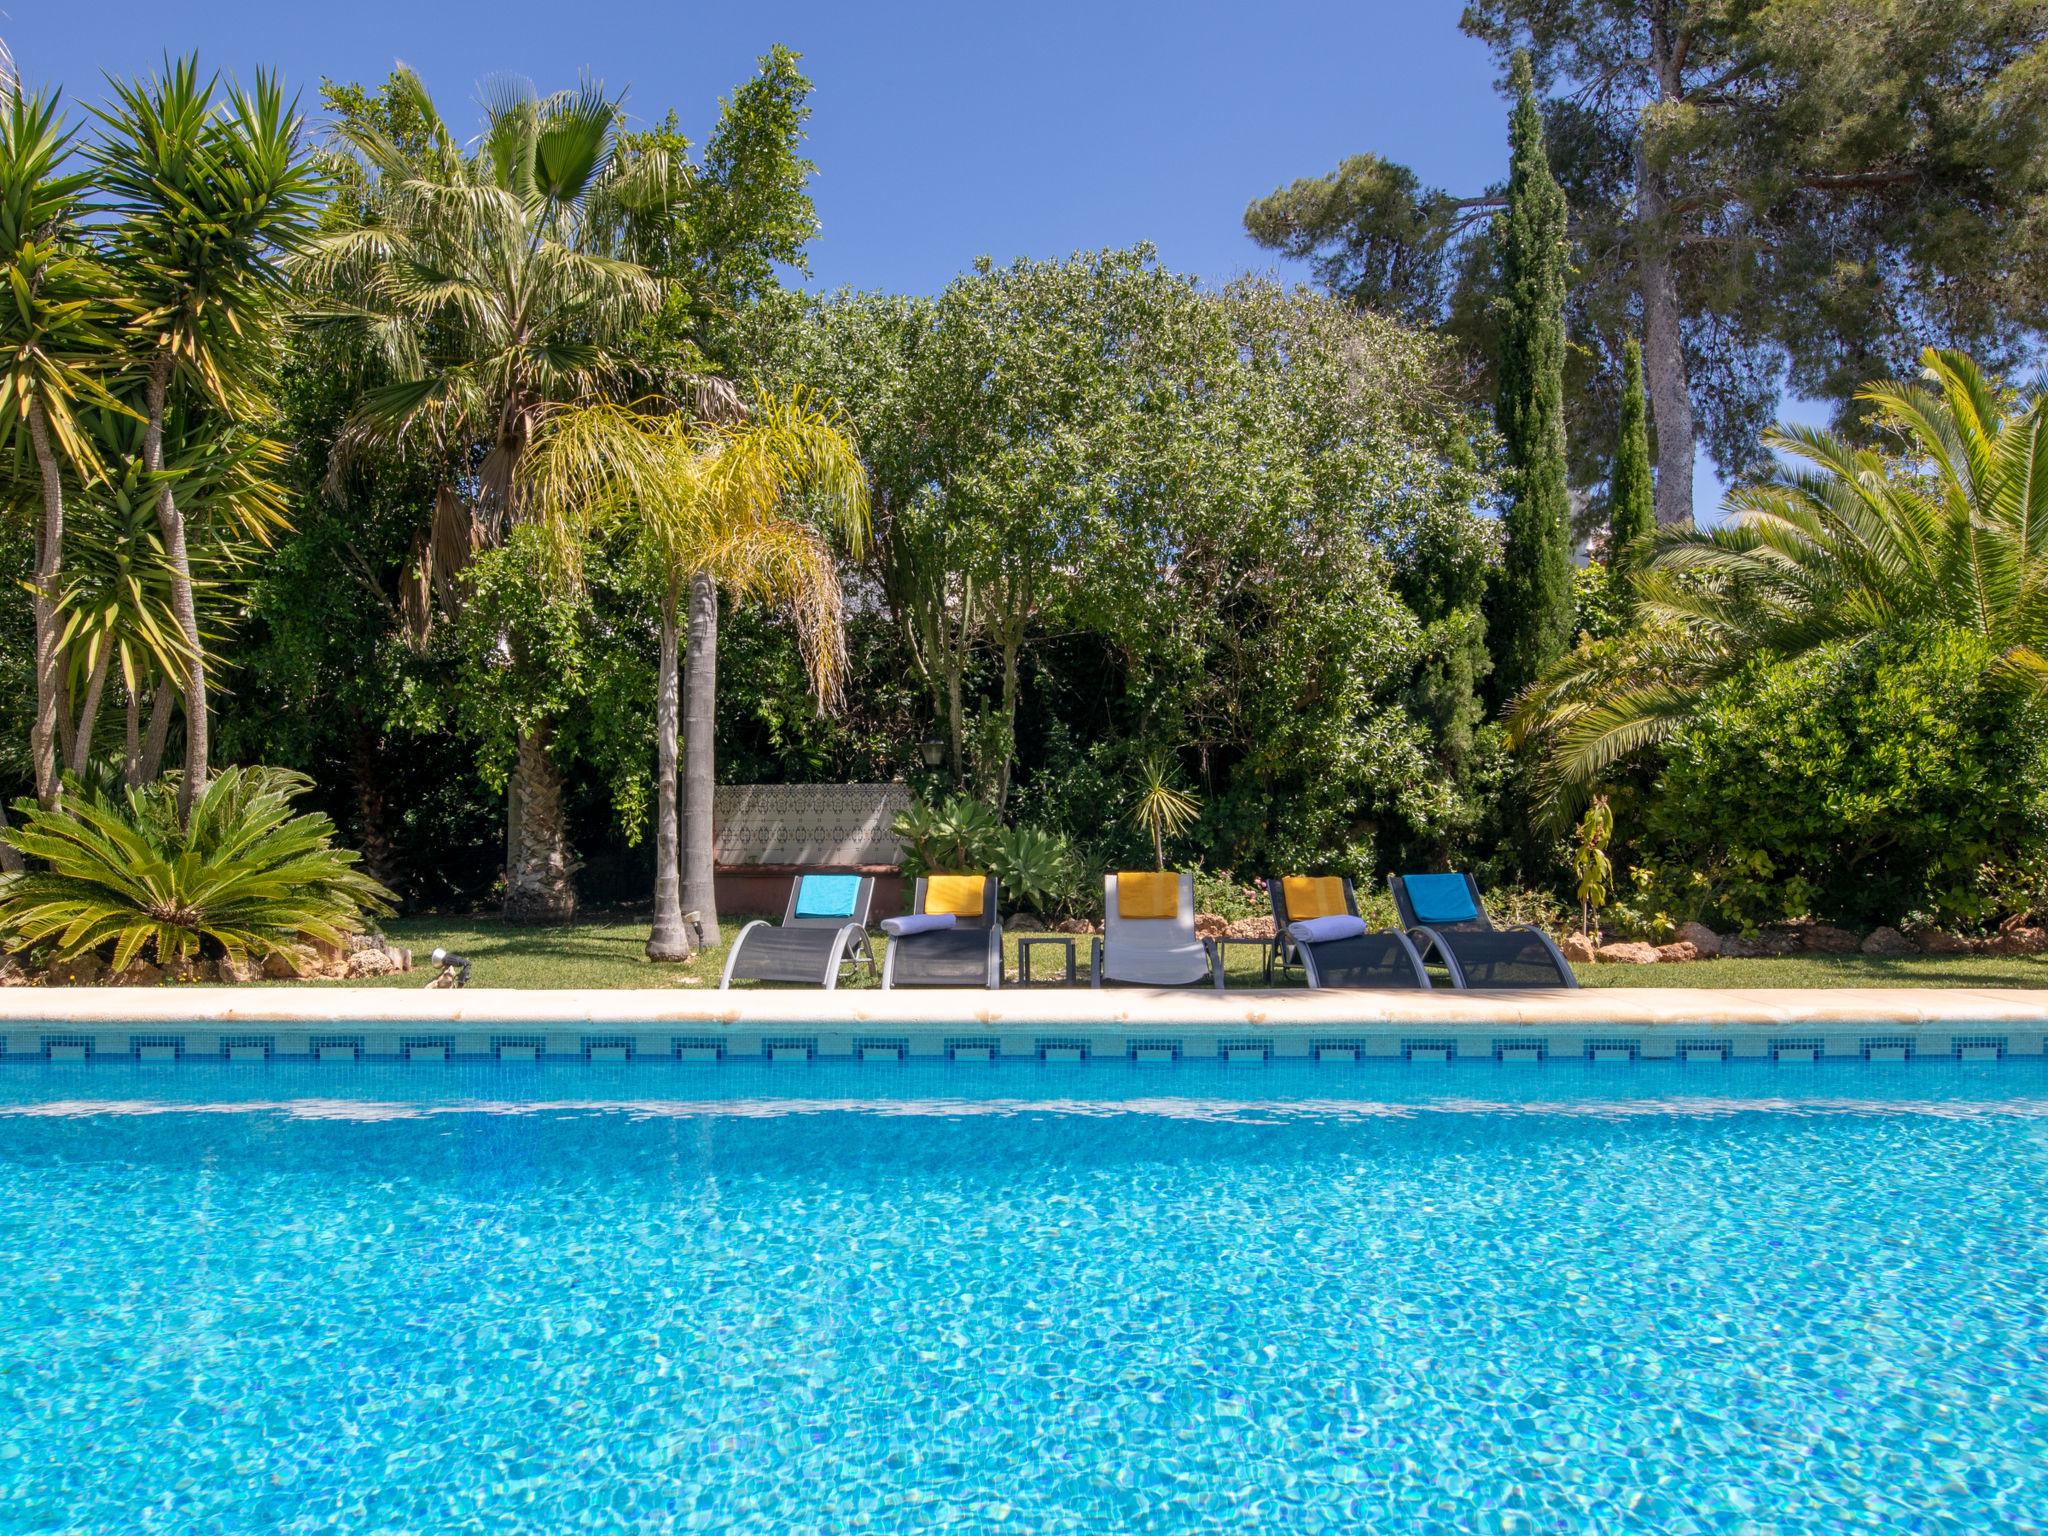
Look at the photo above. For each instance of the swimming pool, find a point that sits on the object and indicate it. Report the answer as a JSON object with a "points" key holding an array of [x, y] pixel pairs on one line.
{"points": [[1023, 1298]]}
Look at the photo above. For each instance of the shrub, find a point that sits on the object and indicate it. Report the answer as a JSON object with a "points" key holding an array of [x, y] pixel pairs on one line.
{"points": [[1856, 785], [246, 875]]}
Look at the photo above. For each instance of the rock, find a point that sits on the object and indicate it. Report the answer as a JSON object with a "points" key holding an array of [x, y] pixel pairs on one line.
{"points": [[1209, 925], [1075, 925], [290, 966], [1888, 942], [2017, 941], [137, 973], [1769, 944], [86, 970], [1677, 953], [446, 980], [370, 962], [1705, 942], [1024, 922], [1577, 948], [240, 971], [1826, 939], [11, 973], [191, 971], [1626, 954], [1935, 941], [1250, 928]]}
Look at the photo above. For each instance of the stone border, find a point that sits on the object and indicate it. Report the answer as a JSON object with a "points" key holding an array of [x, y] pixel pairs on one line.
{"points": [[260, 1024]]}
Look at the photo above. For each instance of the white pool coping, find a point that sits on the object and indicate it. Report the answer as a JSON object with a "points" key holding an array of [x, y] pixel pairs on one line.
{"points": [[1594, 1024]]}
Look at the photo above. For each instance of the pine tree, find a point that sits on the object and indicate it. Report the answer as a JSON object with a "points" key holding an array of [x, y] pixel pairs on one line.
{"points": [[1631, 502], [1533, 598]]}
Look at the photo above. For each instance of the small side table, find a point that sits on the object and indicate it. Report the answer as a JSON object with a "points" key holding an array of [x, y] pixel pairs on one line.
{"points": [[1263, 946], [1060, 941]]}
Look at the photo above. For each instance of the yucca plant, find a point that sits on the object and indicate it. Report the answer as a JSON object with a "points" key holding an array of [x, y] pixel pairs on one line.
{"points": [[245, 873], [1163, 809]]}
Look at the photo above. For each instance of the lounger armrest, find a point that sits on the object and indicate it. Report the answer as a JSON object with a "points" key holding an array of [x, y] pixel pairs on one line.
{"points": [[889, 965], [1414, 959], [732, 955], [1215, 953], [1427, 940], [995, 955], [1565, 972]]}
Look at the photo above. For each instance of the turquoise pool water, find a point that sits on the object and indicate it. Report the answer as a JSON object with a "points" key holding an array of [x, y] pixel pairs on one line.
{"points": [[1099, 1299]]}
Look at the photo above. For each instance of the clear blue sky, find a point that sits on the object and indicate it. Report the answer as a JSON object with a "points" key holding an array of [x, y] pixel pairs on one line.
{"points": [[942, 131]]}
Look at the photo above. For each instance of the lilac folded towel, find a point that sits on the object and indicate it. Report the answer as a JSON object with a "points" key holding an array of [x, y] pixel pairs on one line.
{"points": [[917, 922], [1321, 930]]}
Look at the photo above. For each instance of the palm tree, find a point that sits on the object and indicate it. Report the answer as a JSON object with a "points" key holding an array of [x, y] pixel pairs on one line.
{"points": [[55, 336], [212, 188], [1840, 547], [484, 287], [749, 505]]}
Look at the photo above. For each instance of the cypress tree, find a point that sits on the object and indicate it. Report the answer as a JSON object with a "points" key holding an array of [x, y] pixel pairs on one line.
{"points": [[1533, 598], [1631, 504]]}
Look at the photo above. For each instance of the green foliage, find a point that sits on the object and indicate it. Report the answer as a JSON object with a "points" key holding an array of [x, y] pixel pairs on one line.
{"points": [[1160, 807], [1532, 603], [1038, 870], [957, 836], [1861, 784], [1591, 867], [245, 875], [1631, 509]]}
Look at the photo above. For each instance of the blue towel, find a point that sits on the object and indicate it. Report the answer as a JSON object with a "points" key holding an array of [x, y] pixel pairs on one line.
{"points": [[1440, 899], [827, 895], [917, 922], [1321, 930]]}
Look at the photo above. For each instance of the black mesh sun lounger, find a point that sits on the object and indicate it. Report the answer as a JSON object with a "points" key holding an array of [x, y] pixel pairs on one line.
{"points": [[1447, 920], [1385, 959], [969, 954], [823, 930]]}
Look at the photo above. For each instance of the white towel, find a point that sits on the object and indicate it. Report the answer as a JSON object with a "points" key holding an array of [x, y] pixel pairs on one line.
{"points": [[1322, 930], [917, 922]]}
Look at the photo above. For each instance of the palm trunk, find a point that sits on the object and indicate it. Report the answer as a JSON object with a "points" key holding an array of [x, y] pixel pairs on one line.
{"points": [[669, 940], [161, 704], [700, 764], [172, 523], [42, 735], [131, 746], [540, 881], [10, 859], [89, 712]]}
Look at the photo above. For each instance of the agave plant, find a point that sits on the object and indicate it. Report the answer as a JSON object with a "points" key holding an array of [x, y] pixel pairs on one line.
{"points": [[962, 833], [246, 873], [1036, 868]]}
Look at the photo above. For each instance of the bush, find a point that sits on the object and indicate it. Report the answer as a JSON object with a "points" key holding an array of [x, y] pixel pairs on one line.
{"points": [[1856, 786], [245, 876]]}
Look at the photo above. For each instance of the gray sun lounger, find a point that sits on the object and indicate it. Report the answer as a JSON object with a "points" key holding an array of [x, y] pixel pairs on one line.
{"points": [[969, 954], [1154, 951], [823, 931], [1368, 960], [1446, 919]]}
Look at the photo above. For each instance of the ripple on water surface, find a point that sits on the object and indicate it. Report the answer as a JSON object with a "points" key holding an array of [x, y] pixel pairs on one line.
{"points": [[1102, 1301]]}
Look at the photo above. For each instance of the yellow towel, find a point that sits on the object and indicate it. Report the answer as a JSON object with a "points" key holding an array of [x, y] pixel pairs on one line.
{"points": [[957, 894], [1143, 893], [1307, 896]]}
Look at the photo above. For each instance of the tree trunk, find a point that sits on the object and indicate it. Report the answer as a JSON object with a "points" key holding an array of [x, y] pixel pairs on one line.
{"points": [[42, 735], [540, 880], [162, 700], [1011, 647], [172, 522], [366, 751], [700, 763], [669, 940], [131, 746], [1664, 366], [89, 712]]}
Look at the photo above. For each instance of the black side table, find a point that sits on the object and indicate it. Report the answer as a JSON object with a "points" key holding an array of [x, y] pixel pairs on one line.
{"points": [[1060, 941], [1223, 943]]}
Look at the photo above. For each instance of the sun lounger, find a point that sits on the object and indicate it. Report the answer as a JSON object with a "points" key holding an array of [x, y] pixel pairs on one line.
{"points": [[966, 953], [1348, 957], [1150, 940], [1448, 921], [824, 929]]}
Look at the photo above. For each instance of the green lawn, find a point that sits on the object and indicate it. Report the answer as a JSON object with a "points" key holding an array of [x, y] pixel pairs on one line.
{"points": [[605, 952]]}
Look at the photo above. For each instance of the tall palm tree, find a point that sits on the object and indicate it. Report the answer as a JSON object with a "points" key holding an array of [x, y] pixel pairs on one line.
{"points": [[485, 286], [56, 337], [212, 187], [752, 505], [1840, 546]]}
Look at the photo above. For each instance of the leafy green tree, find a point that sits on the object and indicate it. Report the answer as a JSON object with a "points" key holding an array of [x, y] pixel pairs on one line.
{"points": [[1533, 602], [1824, 183], [1631, 508], [1841, 547], [212, 188]]}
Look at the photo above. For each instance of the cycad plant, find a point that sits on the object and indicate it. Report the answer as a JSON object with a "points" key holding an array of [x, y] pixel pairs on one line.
{"points": [[753, 505], [1841, 546], [241, 871]]}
